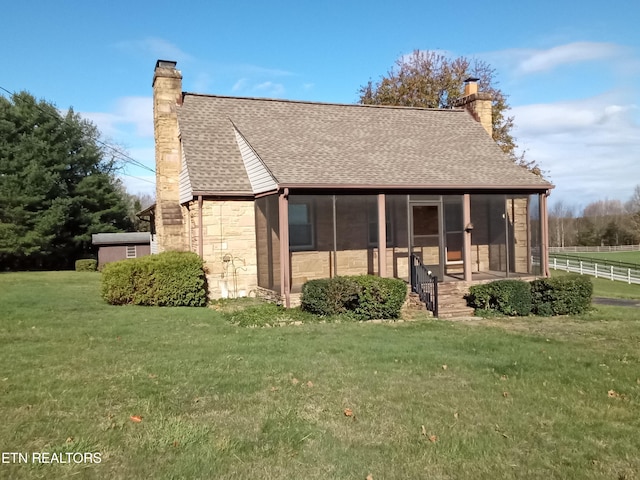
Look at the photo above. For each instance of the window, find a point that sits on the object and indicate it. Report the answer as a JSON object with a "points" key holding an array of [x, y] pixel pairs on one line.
{"points": [[131, 251], [372, 213], [301, 226]]}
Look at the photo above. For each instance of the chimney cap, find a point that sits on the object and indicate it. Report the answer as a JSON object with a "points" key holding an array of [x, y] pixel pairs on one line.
{"points": [[166, 64], [471, 80]]}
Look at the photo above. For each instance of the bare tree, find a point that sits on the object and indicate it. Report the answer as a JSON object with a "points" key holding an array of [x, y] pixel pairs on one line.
{"points": [[562, 224]]}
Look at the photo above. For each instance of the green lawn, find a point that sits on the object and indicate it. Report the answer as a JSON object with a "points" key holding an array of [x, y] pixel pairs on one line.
{"points": [[485, 399]]}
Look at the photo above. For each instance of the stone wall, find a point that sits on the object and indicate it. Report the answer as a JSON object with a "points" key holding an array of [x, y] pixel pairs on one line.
{"points": [[229, 245]]}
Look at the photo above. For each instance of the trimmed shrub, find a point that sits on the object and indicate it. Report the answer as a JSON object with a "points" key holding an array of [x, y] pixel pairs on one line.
{"points": [[86, 265], [379, 297], [168, 279], [565, 295], [330, 296], [363, 297], [509, 297]]}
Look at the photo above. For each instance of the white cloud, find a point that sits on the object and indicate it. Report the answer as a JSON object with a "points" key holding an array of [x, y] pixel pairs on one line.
{"points": [[526, 61], [589, 146], [263, 89], [270, 89], [140, 184], [128, 113], [156, 48], [239, 85], [534, 61]]}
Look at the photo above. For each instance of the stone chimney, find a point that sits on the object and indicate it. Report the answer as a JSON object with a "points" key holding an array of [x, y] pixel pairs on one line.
{"points": [[167, 96], [477, 104]]}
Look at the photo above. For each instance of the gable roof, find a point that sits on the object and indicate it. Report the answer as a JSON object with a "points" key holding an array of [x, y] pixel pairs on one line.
{"points": [[246, 145]]}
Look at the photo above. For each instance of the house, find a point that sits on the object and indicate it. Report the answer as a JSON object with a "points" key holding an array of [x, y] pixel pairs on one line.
{"points": [[118, 246], [272, 193]]}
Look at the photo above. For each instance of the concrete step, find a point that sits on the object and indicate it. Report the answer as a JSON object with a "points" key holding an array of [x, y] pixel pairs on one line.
{"points": [[456, 313]]}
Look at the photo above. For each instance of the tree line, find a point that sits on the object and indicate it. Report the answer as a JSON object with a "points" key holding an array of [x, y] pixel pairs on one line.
{"points": [[602, 222]]}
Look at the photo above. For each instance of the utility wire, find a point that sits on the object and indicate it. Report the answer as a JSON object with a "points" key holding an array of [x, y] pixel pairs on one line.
{"points": [[126, 158]]}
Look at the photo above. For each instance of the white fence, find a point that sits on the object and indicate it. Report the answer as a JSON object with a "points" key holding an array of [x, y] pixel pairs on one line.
{"points": [[596, 269], [614, 248]]}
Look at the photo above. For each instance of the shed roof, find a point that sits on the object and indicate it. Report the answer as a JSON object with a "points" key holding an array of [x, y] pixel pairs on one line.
{"points": [[336, 145], [129, 238]]}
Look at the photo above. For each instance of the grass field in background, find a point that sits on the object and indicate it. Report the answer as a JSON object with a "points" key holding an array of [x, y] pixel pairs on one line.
{"points": [[554, 398], [626, 257]]}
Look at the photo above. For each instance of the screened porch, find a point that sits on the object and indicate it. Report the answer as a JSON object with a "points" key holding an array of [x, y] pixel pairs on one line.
{"points": [[459, 237]]}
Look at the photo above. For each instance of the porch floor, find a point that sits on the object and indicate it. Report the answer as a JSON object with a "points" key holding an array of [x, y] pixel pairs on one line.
{"points": [[484, 276]]}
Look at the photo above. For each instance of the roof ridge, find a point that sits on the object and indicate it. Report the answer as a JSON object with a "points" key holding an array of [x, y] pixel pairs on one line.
{"points": [[335, 104]]}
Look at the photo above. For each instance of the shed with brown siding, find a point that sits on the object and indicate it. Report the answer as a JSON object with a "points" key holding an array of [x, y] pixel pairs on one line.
{"points": [[119, 246]]}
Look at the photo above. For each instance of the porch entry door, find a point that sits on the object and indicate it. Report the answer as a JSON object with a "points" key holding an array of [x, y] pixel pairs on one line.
{"points": [[426, 236]]}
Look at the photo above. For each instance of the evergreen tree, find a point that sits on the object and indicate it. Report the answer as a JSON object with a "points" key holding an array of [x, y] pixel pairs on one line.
{"points": [[57, 185]]}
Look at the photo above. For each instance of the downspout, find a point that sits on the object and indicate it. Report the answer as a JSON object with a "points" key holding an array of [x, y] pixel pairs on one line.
{"points": [[200, 229]]}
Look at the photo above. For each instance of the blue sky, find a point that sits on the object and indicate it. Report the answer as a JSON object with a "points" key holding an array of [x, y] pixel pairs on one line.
{"points": [[571, 69]]}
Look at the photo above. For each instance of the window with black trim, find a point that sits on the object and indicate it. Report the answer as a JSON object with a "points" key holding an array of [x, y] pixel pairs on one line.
{"points": [[301, 235]]}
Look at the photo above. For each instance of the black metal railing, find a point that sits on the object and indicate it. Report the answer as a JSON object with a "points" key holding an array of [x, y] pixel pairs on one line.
{"points": [[424, 284]]}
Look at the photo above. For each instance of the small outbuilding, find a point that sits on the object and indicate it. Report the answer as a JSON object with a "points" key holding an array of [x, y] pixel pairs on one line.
{"points": [[119, 246]]}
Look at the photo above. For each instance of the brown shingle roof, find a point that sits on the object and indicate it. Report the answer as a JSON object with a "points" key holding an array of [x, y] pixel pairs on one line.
{"points": [[304, 143]]}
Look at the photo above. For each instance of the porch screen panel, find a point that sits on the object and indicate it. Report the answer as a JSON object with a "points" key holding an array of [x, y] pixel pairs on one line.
{"points": [[535, 235], [453, 233], [356, 234], [518, 233], [268, 242], [397, 236], [489, 249], [310, 238]]}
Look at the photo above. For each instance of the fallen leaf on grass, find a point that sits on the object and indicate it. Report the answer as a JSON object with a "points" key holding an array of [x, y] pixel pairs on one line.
{"points": [[274, 389], [309, 384], [295, 381], [369, 477], [348, 412], [614, 394], [424, 431], [69, 439], [433, 438], [455, 415], [505, 394], [135, 418], [444, 367], [153, 375], [503, 377]]}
